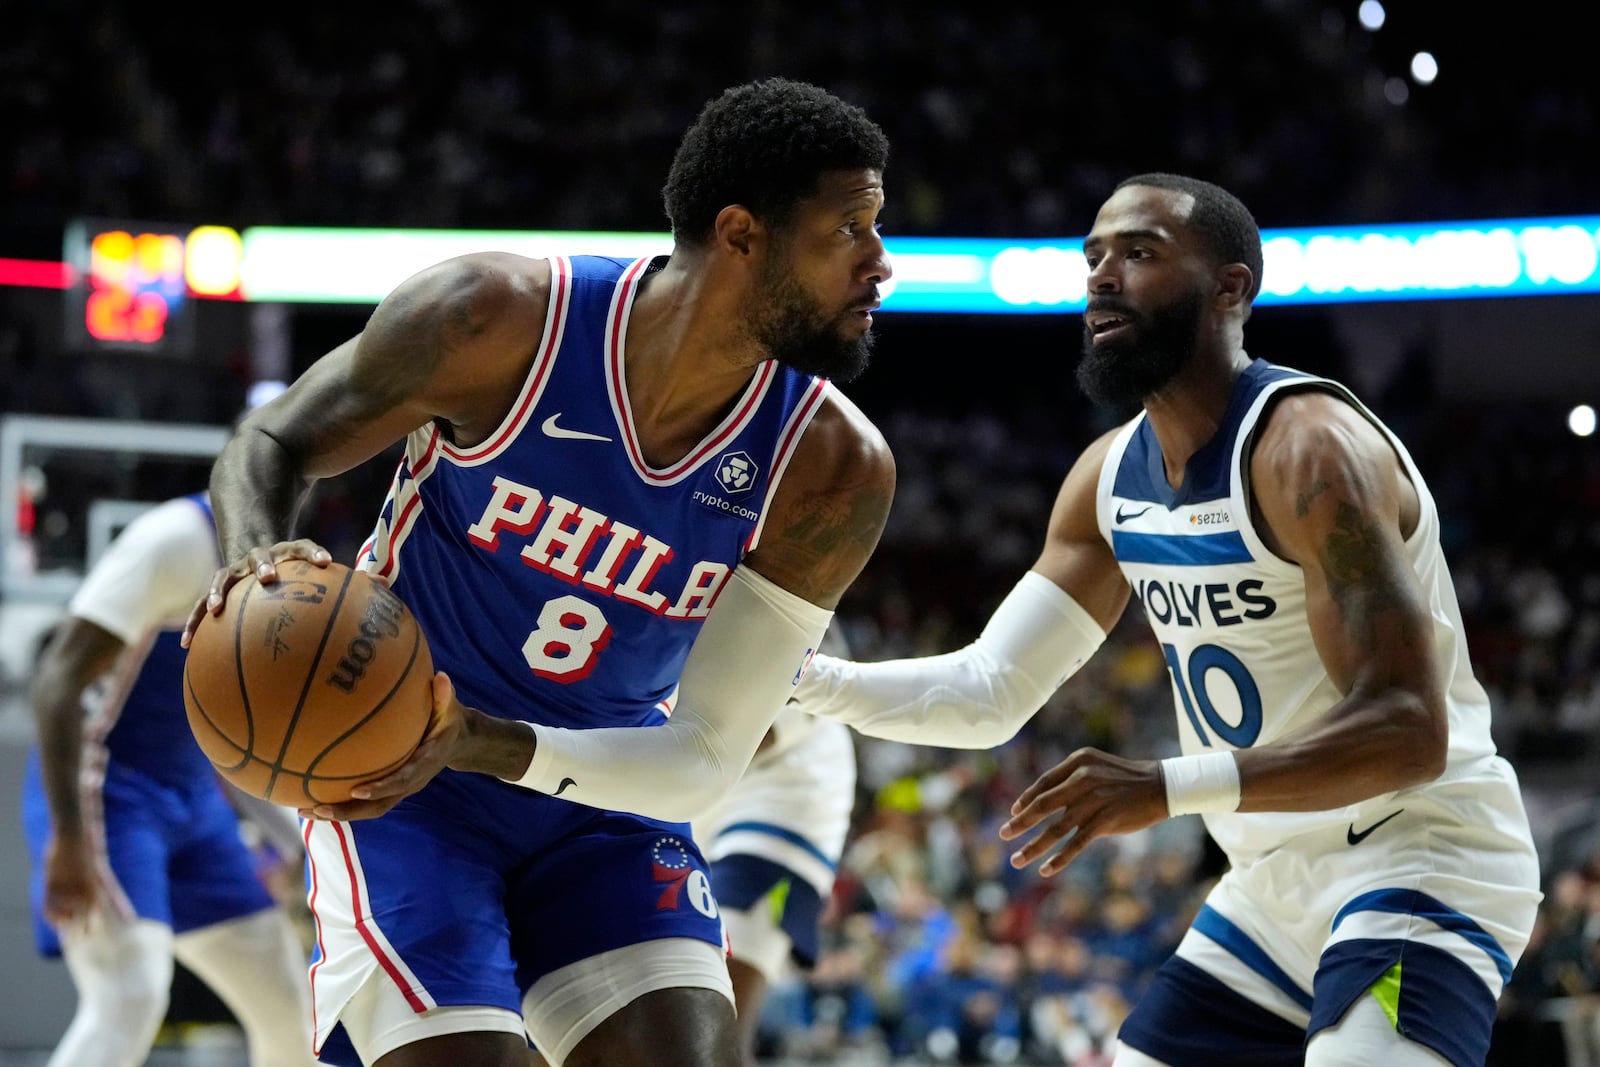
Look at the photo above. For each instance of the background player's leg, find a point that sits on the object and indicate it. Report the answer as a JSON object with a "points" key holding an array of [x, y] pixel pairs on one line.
{"points": [[1364, 1037], [749, 991], [760, 950], [123, 972], [255, 965]]}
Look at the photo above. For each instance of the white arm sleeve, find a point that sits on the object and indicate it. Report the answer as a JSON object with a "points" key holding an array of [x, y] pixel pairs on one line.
{"points": [[746, 661], [978, 697]]}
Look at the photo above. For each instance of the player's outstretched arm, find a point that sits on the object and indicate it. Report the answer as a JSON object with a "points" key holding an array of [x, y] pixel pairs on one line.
{"points": [[1045, 629], [1336, 500], [769, 617], [448, 344]]}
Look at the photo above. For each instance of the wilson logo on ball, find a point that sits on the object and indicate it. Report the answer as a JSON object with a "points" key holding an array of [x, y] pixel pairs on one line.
{"points": [[380, 621]]}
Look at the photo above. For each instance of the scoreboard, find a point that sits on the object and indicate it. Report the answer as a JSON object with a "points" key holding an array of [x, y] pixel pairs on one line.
{"points": [[133, 285]]}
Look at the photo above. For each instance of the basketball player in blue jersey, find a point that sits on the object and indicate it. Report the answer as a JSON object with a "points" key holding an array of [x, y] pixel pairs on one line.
{"points": [[629, 488], [1285, 551], [136, 851]]}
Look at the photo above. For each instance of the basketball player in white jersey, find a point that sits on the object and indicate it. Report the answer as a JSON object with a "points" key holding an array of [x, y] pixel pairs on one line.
{"points": [[136, 853], [774, 843], [1285, 551]]}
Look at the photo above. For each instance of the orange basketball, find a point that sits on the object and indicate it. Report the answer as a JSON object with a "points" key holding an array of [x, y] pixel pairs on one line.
{"points": [[302, 689]]}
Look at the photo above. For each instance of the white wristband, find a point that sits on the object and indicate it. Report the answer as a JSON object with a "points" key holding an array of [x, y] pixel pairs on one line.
{"points": [[1199, 784]]}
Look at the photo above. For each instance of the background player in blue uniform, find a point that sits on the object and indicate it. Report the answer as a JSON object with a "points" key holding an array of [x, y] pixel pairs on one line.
{"points": [[628, 488], [136, 851], [1285, 551]]}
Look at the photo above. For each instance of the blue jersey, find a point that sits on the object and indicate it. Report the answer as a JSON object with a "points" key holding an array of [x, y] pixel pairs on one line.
{"points": [[560, 579], [558, 576]]}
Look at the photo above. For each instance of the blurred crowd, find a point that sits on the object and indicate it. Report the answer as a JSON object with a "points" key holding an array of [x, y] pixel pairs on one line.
{"points": [[1004, 121], [436, 113]]}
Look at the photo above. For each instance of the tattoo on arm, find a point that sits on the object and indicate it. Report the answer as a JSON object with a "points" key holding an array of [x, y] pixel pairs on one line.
{"points": [[1358, 574], [831, 537], [1302, 506]]}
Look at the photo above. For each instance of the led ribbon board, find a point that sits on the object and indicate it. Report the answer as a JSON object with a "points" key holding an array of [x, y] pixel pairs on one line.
{"points": [[1510, 257]]}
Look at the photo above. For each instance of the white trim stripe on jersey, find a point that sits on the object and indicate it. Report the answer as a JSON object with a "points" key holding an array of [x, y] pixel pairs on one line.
{"points": [[1264, 557], [788, 440], [406, 495], [348, 909], [617, 386], [404, 501], [379, 528], [96, 758], [555, 328]]}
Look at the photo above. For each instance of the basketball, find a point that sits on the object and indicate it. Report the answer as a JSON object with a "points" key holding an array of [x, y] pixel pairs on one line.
{"points": [[302, 689]]}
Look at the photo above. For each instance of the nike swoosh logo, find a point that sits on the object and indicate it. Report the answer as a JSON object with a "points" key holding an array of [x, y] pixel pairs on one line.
{"points": [[1354, 838], [562, 788], [552, 430], [1122, 518]]}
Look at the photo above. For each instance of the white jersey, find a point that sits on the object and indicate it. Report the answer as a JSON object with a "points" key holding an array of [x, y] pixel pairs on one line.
{"points": [[793, 803], [1231, 616]]}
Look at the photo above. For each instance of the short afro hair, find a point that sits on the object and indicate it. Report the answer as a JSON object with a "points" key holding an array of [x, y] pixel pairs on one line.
{"points": [[764, 145], [1218, 216]]}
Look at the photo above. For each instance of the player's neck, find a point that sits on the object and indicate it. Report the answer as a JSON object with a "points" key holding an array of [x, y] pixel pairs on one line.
{"points": [[685, 361], [1186, 413]]}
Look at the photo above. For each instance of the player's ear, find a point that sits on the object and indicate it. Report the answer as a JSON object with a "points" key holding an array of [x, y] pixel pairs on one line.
{"points": [[1234, 282], [735, 230]]}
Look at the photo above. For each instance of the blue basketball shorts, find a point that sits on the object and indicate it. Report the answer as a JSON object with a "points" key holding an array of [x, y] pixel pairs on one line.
{"points": [[166, 854], [469, 891]]}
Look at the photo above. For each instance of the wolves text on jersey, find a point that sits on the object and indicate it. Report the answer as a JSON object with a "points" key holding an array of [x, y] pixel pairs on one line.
{"points": [[1210, 603], [585, 547]]}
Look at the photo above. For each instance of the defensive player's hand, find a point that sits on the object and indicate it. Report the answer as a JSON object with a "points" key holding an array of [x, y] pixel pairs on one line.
{"points": [[446, 727], [1097, 794], [69, 882], [259, 561]]}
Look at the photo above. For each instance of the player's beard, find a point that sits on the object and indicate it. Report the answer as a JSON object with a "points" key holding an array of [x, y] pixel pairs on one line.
{"points": [[1118, 373], [796, 330]]}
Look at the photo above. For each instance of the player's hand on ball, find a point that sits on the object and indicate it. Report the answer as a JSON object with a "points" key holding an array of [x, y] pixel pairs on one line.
{"points": [[1096, 794], [445, 731], [259, 561]]}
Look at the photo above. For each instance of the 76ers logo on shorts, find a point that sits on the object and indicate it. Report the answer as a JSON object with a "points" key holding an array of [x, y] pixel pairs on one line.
{"points": [[736, 472], [674, 866]]}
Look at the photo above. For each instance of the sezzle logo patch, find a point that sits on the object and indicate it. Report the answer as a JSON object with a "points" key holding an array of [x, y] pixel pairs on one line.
{"points": [[736, 472]]}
